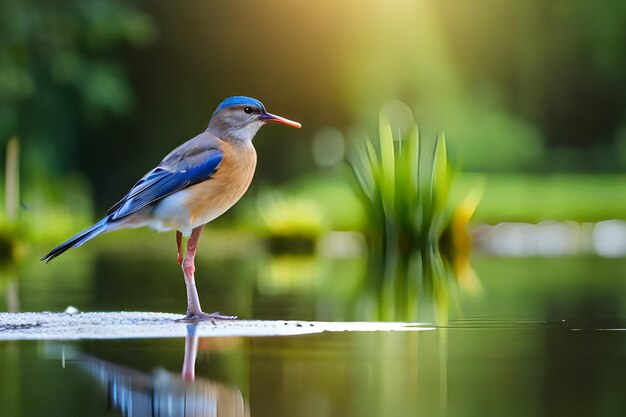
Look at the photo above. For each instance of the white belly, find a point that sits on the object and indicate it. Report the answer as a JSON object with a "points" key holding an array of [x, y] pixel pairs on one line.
{"points": [[172, 213]]}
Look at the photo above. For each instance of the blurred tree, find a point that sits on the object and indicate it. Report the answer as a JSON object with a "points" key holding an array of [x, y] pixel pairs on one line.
{"points": [[60, 72], [502, 78], [558, 65]]}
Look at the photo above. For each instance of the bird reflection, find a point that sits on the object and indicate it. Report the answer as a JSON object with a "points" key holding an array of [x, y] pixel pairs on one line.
{"points": [[163, 394]]}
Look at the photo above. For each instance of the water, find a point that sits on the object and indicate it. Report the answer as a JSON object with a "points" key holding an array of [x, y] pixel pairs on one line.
{"points": [[541, 337], [493, 369]]}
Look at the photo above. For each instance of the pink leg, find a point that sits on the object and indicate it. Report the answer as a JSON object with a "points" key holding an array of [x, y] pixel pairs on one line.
{"points": [[179, 242], [189, 268], [194, 311]]}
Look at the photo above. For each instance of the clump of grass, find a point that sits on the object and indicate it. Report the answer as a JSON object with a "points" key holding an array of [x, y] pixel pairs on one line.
{"points": [[415, 226], [289, 223]]}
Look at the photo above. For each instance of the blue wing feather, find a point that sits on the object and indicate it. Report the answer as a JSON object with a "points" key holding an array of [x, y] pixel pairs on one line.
{"points": [[164, 181]]}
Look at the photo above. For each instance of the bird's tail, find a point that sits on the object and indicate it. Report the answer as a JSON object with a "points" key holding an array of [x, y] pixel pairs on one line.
{"points": [[77, 240]]}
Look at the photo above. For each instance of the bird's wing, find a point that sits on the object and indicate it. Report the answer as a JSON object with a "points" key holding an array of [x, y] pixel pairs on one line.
{"points": [[189, 164]]}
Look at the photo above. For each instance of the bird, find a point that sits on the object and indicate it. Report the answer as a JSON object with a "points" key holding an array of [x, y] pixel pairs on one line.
{"points": [[194, 184]]}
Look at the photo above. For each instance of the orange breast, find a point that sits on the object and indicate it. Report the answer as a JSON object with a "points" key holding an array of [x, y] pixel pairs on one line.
{"points": [[225, 187]]}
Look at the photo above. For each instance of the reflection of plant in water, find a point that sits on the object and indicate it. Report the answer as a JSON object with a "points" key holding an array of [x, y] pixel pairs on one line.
{"points": [[417, 233], [289, 272]]}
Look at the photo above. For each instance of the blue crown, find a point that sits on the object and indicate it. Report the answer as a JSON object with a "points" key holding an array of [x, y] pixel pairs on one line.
{"points": [[239, 101]]}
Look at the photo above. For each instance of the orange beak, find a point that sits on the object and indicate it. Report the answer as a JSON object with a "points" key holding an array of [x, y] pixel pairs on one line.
{"points": [[272, 118]]}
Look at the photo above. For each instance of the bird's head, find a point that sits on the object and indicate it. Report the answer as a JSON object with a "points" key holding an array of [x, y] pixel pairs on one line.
{"points": [[240, 117]]}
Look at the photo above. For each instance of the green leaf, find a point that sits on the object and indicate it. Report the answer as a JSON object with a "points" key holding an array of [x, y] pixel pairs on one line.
{"points": [[441, 175], [362, 169], [412, 154], [387, 158]]}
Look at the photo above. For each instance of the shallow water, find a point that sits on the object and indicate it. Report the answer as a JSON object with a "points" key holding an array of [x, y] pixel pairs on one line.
{"points": [[542, 337], [475, 368]]}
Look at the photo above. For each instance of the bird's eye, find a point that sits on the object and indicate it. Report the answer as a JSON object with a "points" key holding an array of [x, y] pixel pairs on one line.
{"points": [[248, 110]]}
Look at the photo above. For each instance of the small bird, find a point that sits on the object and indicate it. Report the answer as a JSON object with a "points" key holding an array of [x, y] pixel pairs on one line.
{"points": [[196, 183]]}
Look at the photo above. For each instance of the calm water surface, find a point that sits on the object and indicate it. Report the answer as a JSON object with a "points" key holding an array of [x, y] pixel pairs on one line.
{"points": [[542, 337]]}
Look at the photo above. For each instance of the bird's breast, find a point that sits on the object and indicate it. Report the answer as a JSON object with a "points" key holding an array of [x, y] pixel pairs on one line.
{"points": [[211, 198]]}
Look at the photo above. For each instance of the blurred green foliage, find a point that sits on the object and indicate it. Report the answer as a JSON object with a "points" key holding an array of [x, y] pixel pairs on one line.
{"points": [[60, 71], [286, 215], [52, 215], [503, 79], [517, 86], [53, 212], [507, 197], [417, 232], [533, 198]]}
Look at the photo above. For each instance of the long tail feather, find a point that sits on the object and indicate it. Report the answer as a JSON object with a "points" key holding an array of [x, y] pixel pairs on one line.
{"points": [[77, 240]]}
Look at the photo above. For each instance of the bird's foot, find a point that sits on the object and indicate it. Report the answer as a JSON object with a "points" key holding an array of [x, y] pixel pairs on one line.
{"points": [[213, 317]]}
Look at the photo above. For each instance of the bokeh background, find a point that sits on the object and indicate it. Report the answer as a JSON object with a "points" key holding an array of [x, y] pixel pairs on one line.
{"points": [[104, 89], [530, 95]]}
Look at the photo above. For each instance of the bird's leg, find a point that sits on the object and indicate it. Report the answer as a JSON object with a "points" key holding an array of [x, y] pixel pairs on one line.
{"points": [[189, 268], [194, 311], [179, 242]]}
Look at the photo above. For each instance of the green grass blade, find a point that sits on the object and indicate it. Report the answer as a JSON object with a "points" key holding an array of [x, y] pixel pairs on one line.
{"points": [[441, 175], [362, 168], [412, 154], [387, 164]]}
